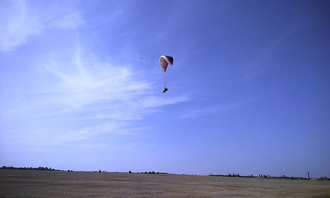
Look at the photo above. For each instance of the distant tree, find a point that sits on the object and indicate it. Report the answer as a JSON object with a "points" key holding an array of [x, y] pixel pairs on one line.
{"points": [[129, 171]]}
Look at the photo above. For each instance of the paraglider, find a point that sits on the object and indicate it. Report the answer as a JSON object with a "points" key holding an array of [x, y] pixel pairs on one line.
{"points": [[164, 61]]}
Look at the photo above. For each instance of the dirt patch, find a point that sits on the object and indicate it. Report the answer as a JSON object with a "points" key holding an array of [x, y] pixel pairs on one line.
{"points": [[24, 183]]}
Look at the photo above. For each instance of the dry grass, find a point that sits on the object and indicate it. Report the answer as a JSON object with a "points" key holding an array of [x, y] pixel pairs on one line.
{"points": [[20, 183]]}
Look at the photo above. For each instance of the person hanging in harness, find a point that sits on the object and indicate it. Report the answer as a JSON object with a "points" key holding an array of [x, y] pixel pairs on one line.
{"points": [[165, 90]]}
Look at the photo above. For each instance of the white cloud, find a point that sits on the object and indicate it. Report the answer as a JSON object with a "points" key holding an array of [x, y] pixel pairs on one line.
{"points": [[83, 98], [213, 109], [87, 132], [20, 20], [86, 83], [68, 20], [68, 97], [263, 61], [103, 90], [152, 101], [17, 23]]}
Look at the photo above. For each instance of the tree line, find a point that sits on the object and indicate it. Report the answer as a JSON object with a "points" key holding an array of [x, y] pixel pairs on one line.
{"points": [[149, 172], [267, 176], [153, 172], [30, 168], [40, 168]]}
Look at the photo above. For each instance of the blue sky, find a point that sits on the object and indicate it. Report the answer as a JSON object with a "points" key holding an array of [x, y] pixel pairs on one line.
{"points": [[249, 90]]}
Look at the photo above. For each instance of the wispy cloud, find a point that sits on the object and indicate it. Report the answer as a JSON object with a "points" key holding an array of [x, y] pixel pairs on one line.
{"points": [[20, 20], [71, 96], [17, 23], [85, 133], [67, 19], [213, 109], [86, 82], [103, 90], [84, 98], [262, 62]]}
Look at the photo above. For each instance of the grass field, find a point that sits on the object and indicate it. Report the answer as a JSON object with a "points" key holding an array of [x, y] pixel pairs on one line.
{"points": [[22, 183]]}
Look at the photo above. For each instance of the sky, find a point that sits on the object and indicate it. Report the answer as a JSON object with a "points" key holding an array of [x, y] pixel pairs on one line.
{"points": [[249, 91]]}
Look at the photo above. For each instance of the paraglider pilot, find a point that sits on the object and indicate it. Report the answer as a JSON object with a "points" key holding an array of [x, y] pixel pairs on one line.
{"points": [[165, 90]]}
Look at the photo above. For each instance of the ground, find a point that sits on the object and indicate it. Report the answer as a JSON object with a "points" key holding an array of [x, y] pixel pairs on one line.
{"points": [[25, 183]]}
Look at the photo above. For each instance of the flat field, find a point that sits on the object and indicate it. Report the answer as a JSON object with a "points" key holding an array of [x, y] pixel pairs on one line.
{"points": [[24, 183]]}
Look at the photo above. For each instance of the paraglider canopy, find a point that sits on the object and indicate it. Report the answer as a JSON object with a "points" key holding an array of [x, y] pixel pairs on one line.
{"points": [[164, 61]]}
